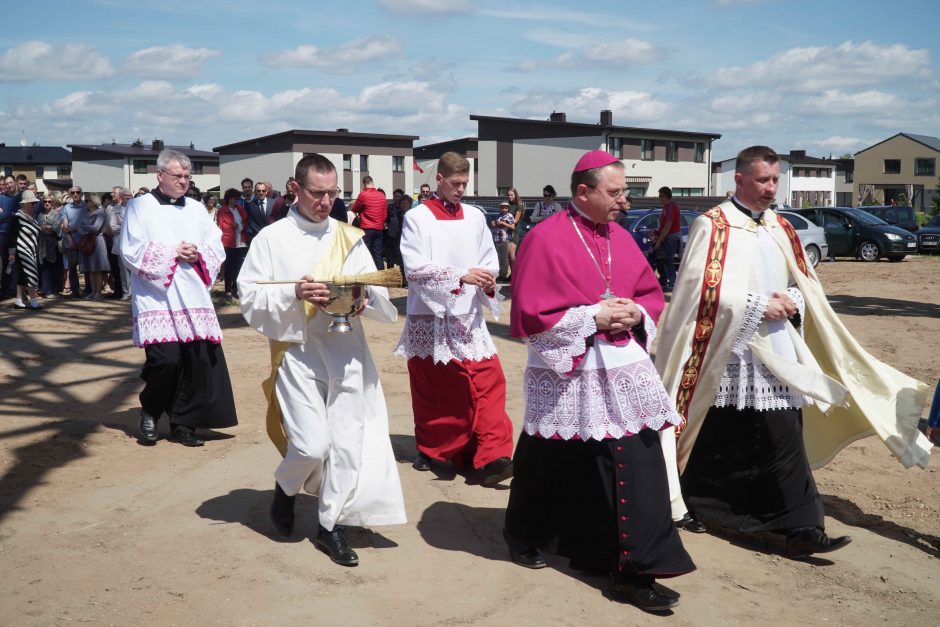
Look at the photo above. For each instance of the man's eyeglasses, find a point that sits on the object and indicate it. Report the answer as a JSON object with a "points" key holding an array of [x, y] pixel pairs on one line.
{"points": [[179, 177], [318, 194], [615, 194], [75, 193]]}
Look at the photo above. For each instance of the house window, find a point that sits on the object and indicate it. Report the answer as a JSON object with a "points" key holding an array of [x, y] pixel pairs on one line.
{"points": [[398, 164], [687, 191], [646, 149], [699, 152], [826, 173], [636, 190], [672, 151], [849, 178], [140, 165], [347, 162], [39, 171], [924, 167], [892, 166], [8, 170], [364, 163], [197, 167], [615, 145], [64, 170]]}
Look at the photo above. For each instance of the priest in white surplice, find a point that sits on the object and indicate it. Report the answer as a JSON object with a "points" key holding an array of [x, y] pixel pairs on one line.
{"points": [[326, 410]]}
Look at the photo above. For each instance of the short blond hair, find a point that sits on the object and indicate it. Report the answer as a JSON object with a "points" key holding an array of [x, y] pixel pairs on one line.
{"points": [[452, 163]]}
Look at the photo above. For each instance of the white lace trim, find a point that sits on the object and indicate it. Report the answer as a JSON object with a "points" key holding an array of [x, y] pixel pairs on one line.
{"points": [[566, 340], [186, 325], [753, 316], [437, 287], [445, 338], [752, 385], [596, 404], [797, 297], [649, 326]]}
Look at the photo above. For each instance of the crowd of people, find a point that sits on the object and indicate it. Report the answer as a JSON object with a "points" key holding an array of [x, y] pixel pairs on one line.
{"points": [[620, 449]]}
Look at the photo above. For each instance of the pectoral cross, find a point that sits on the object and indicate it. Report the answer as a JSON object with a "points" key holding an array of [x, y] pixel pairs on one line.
{"points": [[607, 294]]}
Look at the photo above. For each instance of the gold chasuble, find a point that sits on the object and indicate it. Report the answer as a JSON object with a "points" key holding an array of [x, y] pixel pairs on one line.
{"points": [[327, 267], [853, 394]]}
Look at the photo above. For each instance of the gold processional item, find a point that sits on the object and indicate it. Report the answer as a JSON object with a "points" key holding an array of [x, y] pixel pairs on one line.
{"points": [[346, 293]]}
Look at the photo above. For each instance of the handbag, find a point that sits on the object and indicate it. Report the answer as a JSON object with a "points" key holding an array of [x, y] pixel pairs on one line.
{"points": [[88, 243]]}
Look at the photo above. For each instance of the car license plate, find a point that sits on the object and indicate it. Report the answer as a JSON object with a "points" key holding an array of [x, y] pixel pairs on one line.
{"points": [[912, 244]]}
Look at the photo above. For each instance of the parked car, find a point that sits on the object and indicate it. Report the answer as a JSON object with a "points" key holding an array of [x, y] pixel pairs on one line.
{"points": [[896, 215], [928, 237], [813, 237], [855, 233], [641, 223]]}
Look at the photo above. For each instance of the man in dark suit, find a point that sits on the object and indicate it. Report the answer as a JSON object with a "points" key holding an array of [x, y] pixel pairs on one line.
{"points": [[258, 208]]}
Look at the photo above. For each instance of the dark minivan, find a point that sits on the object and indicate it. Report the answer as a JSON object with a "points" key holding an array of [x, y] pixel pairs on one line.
{"points": [[895, 215], [855, 233]]}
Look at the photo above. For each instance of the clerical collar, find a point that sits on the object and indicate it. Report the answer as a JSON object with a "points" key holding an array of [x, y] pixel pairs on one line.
{"points": [[450, 206], [591, 223], [306, 224], [163, 199], [747, 210]]}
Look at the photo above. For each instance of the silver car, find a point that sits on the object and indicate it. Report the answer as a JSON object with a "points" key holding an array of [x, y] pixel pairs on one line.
{"points": [[812, 236]]}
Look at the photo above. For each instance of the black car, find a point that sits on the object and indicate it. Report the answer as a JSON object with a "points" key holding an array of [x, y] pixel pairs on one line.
{"points": [[895, 215], [855, 233], [928, 236]]}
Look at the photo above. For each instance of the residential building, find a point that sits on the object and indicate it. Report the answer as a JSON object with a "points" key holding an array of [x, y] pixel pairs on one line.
{"points": [[388, 159], [100, 167], [49, 166], [902, 164], [845, 182], [529, 154], [804, 181], [426, 159]]}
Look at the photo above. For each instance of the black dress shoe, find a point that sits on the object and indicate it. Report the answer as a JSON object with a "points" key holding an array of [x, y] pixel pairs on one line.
{"points": [[421, 462], [185, 436], [147, 427], [333, 543], [522, 554], [813, 540], [642, 595], [282, 512], [496, 471], [690, 523]]}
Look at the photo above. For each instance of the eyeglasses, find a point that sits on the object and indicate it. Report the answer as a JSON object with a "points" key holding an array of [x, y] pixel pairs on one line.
{"points": [[318, 194], [47, 202], [179, 177], [74, 192], [615, 194]]}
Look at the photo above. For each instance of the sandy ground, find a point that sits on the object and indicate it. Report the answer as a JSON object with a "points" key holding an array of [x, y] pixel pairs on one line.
{"points": [[97, 529]]}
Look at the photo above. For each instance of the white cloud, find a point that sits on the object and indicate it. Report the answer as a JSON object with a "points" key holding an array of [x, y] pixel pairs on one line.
{"points": [[837, 103], [343, 59], [425, 7], [744, 103], [38, 60], [175, 61], [539, 13], [836, 144], [617, 53], [818, 68], [628, 107]]}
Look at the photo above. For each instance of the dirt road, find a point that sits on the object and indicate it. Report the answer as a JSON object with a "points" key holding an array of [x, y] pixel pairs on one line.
{"points": [[96, 529]]}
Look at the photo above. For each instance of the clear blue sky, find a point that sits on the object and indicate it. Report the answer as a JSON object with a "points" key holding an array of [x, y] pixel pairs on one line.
{"points": [[827, 76]]}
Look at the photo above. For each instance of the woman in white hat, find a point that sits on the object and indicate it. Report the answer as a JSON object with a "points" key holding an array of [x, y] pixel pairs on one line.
{"points": [[26, 252]]}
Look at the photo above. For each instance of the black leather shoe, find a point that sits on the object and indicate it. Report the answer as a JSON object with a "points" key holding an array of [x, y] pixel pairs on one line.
{"points": [[690, 523], [282, 512], [496, 471], [813, 540], [185, 436], [147, 427], [421, 462], [333, 543], [522, 554], [644, 596]]}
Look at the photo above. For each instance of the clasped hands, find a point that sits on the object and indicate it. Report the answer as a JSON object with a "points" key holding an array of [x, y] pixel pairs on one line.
{"points": [[318, 294], [618, 315], [480, 277], [780, 307], [187, 252]]}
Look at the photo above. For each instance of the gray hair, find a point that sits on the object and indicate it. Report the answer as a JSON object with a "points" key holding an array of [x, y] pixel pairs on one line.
{"points": [[168, 155], [120, 190]]}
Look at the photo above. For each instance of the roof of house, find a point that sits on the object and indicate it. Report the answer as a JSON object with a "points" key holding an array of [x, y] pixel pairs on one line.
{"points": [[130, 150], [799, 157], [435, 150], [931, 142], [17, 155], [330, 135], [633, 130]]}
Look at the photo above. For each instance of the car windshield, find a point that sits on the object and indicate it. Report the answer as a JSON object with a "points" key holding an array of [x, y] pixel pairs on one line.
{"points": [[864, 217], [628, 221]]}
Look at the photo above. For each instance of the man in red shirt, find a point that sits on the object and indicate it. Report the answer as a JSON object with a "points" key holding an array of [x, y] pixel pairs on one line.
{"points": [[372, 210], [668, 236]]}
